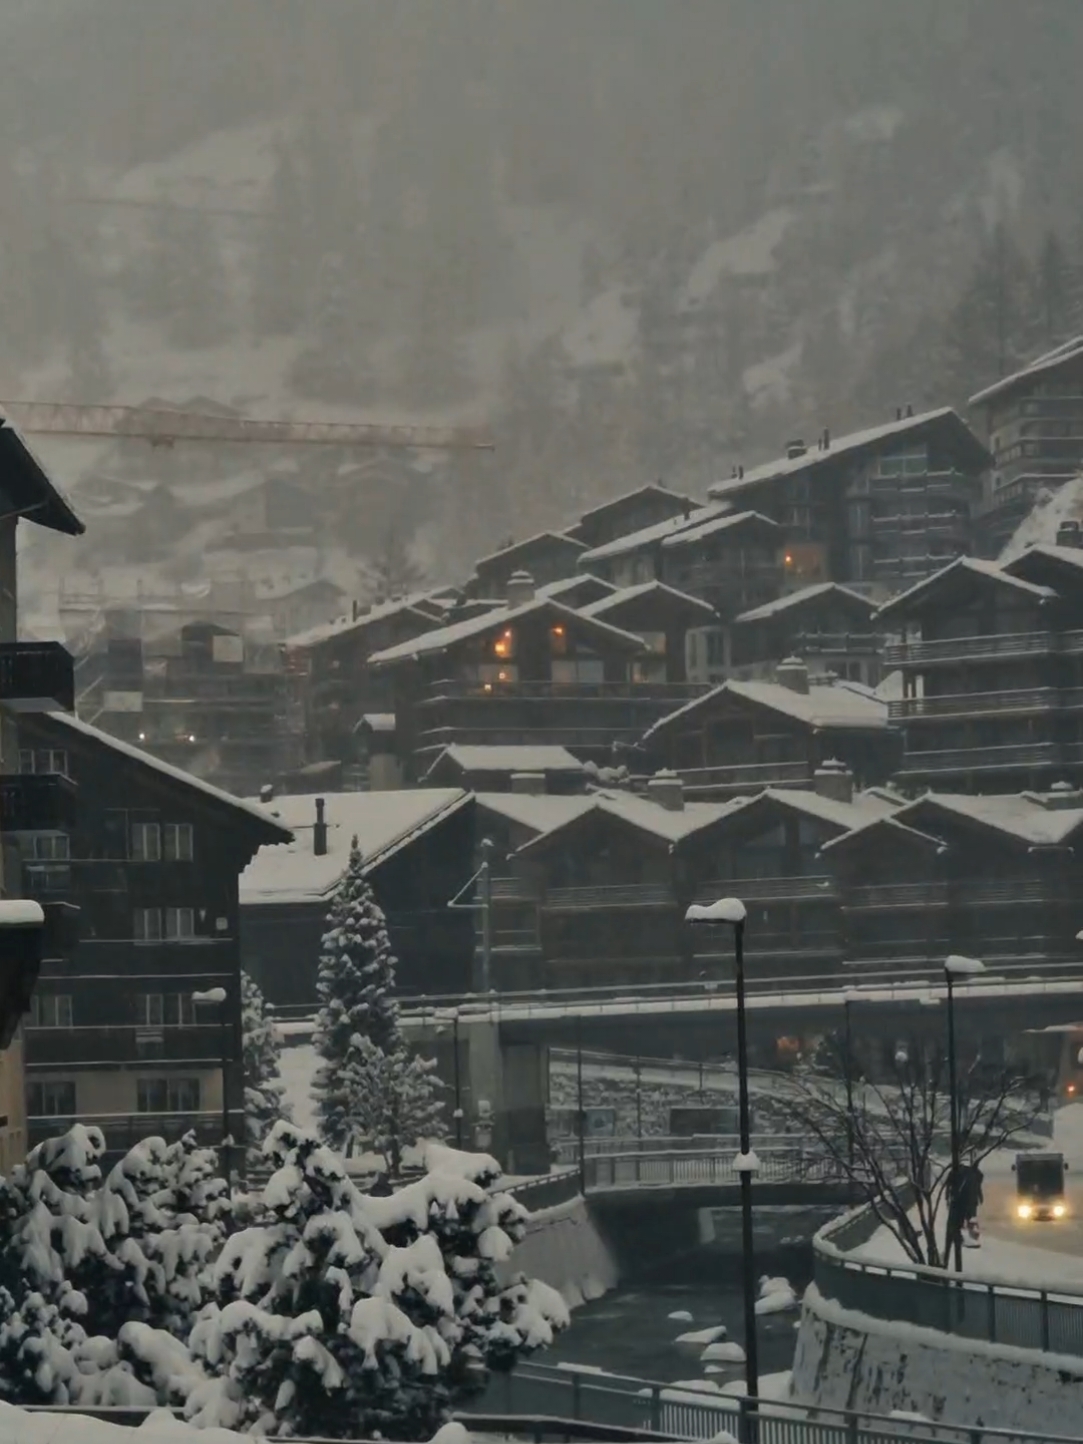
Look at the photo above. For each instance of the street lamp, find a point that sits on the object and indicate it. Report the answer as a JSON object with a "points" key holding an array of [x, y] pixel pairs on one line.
{"points": [[732, 911], [850, 995], [218, 997], [956, 966]]}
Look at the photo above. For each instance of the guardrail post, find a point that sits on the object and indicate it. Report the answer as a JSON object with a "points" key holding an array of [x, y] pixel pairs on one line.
{"points": [[1043, 1300], [991, 1297]]}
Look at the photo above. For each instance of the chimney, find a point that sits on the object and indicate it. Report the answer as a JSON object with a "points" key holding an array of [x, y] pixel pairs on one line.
{"points": [[793, 673], [1069, 534], [267, 792], [520, 589], [356, 610], [834, 779], [741, 471], [319, 832], [909, 410], [667, 789], [794, 449], [827, 438], [898, 413], [528, 784], [1061, 797]]}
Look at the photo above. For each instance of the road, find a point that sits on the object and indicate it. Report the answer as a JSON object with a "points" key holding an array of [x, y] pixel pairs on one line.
{"points": [[998, 1221]]}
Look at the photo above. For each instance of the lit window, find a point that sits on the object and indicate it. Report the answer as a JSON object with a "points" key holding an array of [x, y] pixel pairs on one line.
{"points": [[504, 646]]}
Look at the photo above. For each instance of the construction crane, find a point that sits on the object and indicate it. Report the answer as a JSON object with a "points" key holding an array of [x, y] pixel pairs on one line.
{"points": [[164, 426]]}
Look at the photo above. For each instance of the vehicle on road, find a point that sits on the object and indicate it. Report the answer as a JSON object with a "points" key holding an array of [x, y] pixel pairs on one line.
{"points": [[1039, 1186]]}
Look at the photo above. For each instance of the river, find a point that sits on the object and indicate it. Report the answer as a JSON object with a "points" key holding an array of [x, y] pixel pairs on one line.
{"points": [[629, 1330]]}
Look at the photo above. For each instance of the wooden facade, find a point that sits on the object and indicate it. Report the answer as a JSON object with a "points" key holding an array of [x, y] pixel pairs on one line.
{"points": [[664, 618], [151, 862], [547, 557], [1033, 423], [828, 626], [644, 507], [879, 508], [992, 670], [533, 672], [743, 736]]}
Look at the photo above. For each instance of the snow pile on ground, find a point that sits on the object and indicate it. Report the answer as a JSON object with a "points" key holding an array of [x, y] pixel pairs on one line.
{"points": [[777, 1296], [724, 1352], [680, 1316], [700, 1337]]}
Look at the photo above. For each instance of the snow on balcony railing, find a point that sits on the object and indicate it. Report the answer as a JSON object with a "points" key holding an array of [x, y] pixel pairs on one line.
{"points": [[968, 649], [976, 704], [981, 759]]}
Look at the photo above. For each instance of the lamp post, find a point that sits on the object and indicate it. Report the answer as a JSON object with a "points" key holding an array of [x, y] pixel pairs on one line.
{"points": [[218, 997], [458, 1079], [580, 1117], [955, 966], [732, 911], [848, 997]]}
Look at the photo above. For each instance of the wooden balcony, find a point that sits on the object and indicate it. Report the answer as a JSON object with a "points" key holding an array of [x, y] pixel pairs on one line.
{"points": [[617, 895], [892, 896], [1020, 757], [967, 892], [970, 649], [123, 1130], [122, 1044], [36, 677], [37, 801], [981, 704], [513, 889], [675, 692], [771, 889], [704, 783]]}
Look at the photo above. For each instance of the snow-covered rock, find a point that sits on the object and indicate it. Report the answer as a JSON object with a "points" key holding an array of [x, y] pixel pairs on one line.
{"points": [[726, 1351], [703, 1336], [680, 1316]]}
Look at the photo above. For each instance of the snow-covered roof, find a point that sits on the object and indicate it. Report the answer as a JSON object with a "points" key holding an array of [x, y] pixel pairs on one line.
{"points": [[865, 807], [312, 636], [855, 441], [973, 566], [382, 822], [1060, 356], [539, 813], [28, 488], [1020, 815], [1065, 556], [561, 588], [508, 552], [652, 488], [689, 535], [658, 531], [510, 758], [823, 706], [886, 820], [800, 598], [644, 814], [645, 589], [249, 811], [445, 637]]}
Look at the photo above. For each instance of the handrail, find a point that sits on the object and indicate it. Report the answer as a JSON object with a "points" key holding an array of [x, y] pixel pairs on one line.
{"points": [[986, 1308]]}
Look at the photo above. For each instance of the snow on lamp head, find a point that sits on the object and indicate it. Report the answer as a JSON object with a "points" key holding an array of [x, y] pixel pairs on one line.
{"points": [[725, 910], [957, 966]]}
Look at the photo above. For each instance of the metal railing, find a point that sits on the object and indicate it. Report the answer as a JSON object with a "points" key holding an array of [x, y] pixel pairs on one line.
{"points": [[982, 759], [614, 895], [772, 889], [620, 690], [788, 1163], [966, 649], [997, 1311], [978, 704], [673, 1412]]}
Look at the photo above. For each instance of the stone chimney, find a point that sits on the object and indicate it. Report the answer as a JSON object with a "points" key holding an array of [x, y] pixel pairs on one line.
{"points": [[667, 789], [793, 673], [834, 779], [319, 831], [1069, 534], [267, 792], [520, 589], [531, 784], [796, 448]]}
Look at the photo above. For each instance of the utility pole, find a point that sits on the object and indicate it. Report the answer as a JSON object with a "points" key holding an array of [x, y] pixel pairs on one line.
{"points": [[485, 886]]}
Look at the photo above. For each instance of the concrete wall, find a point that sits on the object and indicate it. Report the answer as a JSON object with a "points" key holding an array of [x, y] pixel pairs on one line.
{"points": [[565, 1249], [846, 1359]]}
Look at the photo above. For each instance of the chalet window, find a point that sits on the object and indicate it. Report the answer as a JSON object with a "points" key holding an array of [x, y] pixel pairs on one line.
{"points": [[167, 1095], [180, 923], [146, 842], [45, 846], [491, 674], [169, 1010], [147, 925], [43, 759], [50, 1010], [55, 1099], [578, 671], [504, 644], [558, 639], [177, 841], [149, 1010]]}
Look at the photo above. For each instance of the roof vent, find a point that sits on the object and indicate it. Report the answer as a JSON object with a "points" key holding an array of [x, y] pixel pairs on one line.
{"points": [[794, 449], [319, 831], [1070, 534], [834, 779], [793, 673], [520, 589], [267, 792], [667, 789], [528, 784]]}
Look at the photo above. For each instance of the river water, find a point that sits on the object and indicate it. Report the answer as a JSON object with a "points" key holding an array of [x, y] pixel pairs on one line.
{"points": [[629, 1331]]}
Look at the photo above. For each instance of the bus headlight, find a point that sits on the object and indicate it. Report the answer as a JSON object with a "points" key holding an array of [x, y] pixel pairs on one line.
{"points": [[1059, 1210], [1024, 1210]]}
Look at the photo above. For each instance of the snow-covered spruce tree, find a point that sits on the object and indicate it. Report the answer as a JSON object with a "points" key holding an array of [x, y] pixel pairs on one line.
{"points": [[307, 1337], [368, 1089], [263, 1087], [475, 1226]]}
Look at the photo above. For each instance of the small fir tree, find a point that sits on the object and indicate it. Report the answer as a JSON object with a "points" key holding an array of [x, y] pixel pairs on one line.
{"points": [[368, 1089], [264, 1089]]}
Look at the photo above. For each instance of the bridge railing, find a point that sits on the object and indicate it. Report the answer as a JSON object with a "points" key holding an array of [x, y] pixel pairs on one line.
{"points": [[679, 1167], [989, 1309], [567, 1147], [669, 1411]]}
